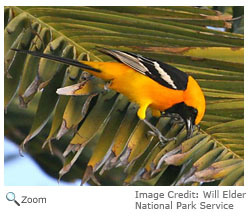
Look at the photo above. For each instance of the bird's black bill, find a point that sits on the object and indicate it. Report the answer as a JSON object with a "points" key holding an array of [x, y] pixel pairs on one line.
{"points": [[190, 127], [58, 59]]}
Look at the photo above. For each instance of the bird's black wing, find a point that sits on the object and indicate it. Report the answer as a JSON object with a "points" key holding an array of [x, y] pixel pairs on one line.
{"points": [[160, 72]]}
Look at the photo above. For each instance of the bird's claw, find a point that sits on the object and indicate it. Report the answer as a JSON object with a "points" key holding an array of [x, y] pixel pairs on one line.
{"points": [[157, 133], [163, 139], [150, 133]]}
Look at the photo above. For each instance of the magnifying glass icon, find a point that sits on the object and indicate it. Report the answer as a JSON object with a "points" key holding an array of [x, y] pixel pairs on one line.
{"points": [[10, 196]]}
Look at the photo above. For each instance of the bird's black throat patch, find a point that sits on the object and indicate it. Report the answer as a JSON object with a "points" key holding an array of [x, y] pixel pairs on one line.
{"points": [[183, 110]]}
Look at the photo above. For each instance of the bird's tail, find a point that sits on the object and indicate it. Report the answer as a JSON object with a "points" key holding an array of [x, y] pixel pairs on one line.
{"points": [[58, 59]]}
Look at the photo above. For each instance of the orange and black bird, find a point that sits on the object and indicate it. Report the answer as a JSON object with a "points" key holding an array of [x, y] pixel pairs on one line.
{"points": [[147, 82]]}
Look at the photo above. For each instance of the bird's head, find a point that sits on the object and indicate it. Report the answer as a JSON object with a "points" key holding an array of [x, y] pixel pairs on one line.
{"points": [[192, 108]]}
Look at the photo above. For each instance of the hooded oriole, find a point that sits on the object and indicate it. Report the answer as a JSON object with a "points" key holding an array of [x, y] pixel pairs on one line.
{"points": [[147, 82]]}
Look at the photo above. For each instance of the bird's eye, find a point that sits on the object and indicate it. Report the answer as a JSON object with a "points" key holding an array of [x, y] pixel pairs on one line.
{"points": [[195, 111]]}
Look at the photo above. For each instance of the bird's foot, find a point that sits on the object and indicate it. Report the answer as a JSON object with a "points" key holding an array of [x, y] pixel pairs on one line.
{"points": [[157, 133]]}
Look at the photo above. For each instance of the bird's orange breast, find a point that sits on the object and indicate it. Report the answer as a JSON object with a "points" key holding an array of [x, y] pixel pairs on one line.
{"points": [[136, 86]]}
